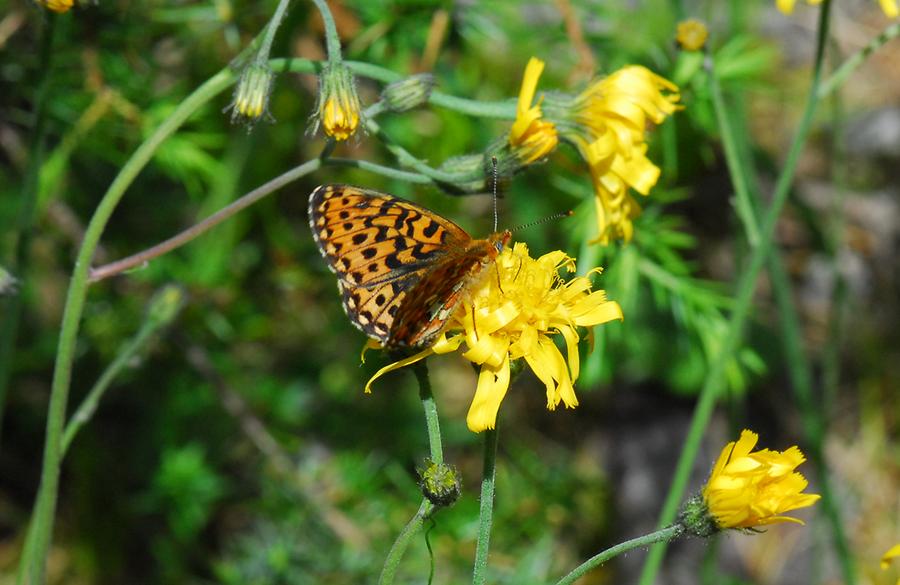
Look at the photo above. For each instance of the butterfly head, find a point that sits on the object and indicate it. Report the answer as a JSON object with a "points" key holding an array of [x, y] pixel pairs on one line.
{"points": [[501, 239]]}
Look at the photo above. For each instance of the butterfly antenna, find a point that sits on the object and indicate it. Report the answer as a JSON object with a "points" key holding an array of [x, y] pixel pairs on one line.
{"points": [[555, 216], [494, 165]]}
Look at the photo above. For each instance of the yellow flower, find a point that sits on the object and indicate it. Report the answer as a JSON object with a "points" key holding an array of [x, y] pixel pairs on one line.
{"points": [[58, 6], [691, 34], [607, 122], [530, 137], [514, 315], [338, 105], [891, 554], [755, 489], [889, 7]]}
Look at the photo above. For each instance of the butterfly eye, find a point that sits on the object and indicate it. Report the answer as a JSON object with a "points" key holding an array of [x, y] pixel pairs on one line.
{"points": [[499, 246]]}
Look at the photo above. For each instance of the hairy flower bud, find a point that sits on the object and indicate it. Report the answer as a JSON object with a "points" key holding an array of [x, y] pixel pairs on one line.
{"points": [[440, 483], [408, 94], [251, 96], [338, 108]]}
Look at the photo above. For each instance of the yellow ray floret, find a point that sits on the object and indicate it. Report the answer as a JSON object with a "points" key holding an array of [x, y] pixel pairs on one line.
{"points": [[531, 138]]}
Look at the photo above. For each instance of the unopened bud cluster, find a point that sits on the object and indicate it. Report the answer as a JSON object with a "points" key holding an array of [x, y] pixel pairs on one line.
{"points": [[440, 483]]}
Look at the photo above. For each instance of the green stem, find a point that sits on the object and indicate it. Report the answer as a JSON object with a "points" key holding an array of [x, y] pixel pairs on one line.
{"points": [[269, 34], [126, 354], [838, 78], [405, 158], [32, 565], [714, 381], [11, 307], [486, 512], [412, 528], [420, 369], [798, 364], [332, 40], [664, 535]]}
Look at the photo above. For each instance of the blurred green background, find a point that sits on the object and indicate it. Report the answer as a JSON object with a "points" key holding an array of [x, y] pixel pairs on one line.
{"points": [[240, 448]]}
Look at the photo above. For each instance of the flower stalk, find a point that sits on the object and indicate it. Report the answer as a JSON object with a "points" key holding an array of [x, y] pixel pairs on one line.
{"points": [[486, 509]]}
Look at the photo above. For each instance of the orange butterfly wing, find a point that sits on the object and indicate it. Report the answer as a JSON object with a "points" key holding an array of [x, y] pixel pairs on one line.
{"points": [[401, 268]]}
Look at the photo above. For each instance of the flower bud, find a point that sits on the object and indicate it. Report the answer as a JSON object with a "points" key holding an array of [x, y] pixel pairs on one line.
{"points": [[408, 94], [338, 108], [165, 305], [58, 6], [470, 170], [440, 483], [251, 96], [691, 34]]}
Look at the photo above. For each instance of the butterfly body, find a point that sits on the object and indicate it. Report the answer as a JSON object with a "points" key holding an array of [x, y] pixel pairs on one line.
{"points": [[402, 270]]}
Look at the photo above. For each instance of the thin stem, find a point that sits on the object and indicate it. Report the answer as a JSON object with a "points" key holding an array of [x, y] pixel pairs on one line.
{"points": [[664, 535], [205, 225], [838, 78], [420, 369], [88, 406], [391, 173], [11, 307], [332, 40], [269, 34], [798, 364], [732, 157], [33, 564], [412, 528], [405, 158], [714, 381], [486, 512]]}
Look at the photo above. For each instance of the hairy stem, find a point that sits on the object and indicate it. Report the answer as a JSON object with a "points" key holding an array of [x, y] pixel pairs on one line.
{"points": [[665, 535], [486, 511]]}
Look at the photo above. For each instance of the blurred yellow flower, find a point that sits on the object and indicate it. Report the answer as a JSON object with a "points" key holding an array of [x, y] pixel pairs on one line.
{"points": [[889, 7], [606, 122], [891, 554], [515, 315], [58, 6], [338, 105], [755, 489], [691, 34], [530, 137]]}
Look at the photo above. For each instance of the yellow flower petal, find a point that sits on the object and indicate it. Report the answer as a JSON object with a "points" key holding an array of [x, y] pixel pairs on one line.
{"points": [[531, 137], [890, 7], [891, 554], [492, 386], [396, 366]]}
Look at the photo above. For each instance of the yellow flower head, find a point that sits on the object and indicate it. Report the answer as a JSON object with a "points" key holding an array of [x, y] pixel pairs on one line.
{"points": [[531, 138], [58, 6], [890, 7], [607, 122], [515, 313], [251, 96], [755, 489], [891, 554], [338, 106], [691, 34]]}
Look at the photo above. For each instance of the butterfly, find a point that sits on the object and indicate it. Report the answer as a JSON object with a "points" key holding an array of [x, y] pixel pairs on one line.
{"points": [[402, 270]]}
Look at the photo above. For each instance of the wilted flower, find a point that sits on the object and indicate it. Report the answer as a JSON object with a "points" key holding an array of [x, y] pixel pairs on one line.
{"points": [[748, 489], [515, 315], [251, 96], [889, 7], [531, 138], [606, 122], [691, 34], [338, 108]]}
